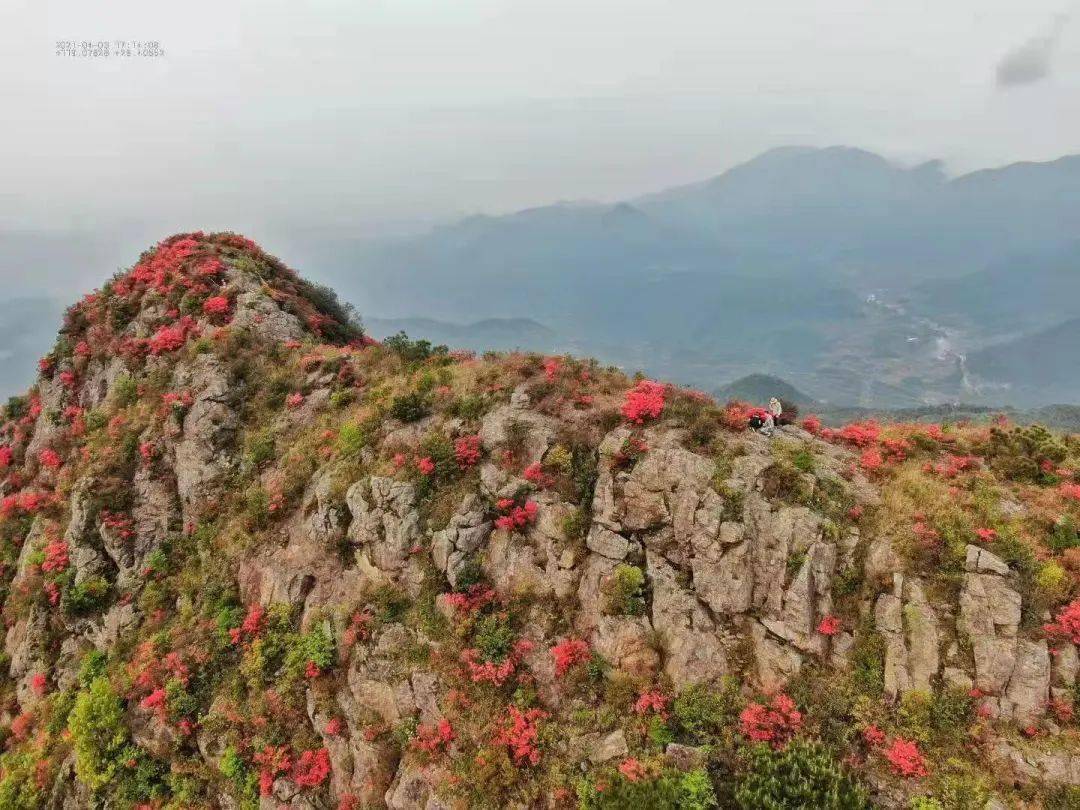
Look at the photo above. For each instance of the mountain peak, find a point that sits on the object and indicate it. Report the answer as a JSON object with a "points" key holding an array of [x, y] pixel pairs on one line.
{"points": [[191, 285]]}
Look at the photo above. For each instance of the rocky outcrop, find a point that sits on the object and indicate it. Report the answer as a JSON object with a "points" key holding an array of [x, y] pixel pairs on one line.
{"points": [[385, 524], [908, 624], [466, 532], [1029, 763], [989, 617], [693, 651], [205, 454]]}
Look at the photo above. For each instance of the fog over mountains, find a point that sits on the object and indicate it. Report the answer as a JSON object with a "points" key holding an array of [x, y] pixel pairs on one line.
{"points": [[859, 281]]}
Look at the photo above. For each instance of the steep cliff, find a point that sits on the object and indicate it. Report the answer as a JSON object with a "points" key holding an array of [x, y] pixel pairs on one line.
{"points": [[254, 559]]}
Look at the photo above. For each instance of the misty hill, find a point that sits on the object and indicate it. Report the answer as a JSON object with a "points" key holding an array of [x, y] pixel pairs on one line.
{"points": [[1042, 367], [759, 388], [1018, 292], [768, 266]]}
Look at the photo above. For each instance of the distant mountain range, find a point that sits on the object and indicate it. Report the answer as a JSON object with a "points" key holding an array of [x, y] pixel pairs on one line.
{"points": [[863, 282]]}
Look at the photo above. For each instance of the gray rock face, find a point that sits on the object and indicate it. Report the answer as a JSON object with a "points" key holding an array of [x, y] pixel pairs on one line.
{"points": [[624, 641], [536, 431], [385, 523], [156, 510], [259, 313], [693, 652], [1028, 763], [205, 455], [979, 560], [606, 542], [909, 626], [599, 747], [465, 533], [776, 662], [1029, 685], [989, 616]]}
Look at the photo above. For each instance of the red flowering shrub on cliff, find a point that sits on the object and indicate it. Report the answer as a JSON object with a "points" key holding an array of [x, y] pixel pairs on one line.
{"points": [[1070, 491], [271, 761], [171, 338], [312, 768], [56, 557], [952, 466], [652, 701], [40, 684], [491, 671], [986, 535], [873, 736], [871, 460], [829, 626], [567, 653], [425, 465], [775, 724], [155, 702], [858, 434], [434, 740], [22, 725], [535, 474], [476, 597], [1063, 710], [253, 624], [359, 629], [904, 758], [643, 402], [516, 517], [1067, 623], [812, 424], [294, 400], [50, 458], [520, 733], [632, 769], [6, 456], [551, 368], [27, 502], [216, 306], [467, 451]]}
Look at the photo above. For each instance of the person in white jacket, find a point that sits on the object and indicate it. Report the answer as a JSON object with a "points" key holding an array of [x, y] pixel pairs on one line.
{"points": [[775, 409]]}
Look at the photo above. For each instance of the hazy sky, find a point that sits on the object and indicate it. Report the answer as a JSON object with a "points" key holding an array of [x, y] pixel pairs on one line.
{"points": [[265, 115]]}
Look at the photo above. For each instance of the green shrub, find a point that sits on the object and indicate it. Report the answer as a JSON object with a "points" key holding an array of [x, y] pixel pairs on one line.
{"points": [[18, 789], [86, 597], [1064, 535], [802, 775], [624, 591], [410, 407], [261, 448], [670, 791], [339, 399], [316, 646], [98, 734], [494, 637], [125, 391], [413, 351], [91, 667], [707, 714], [1063, 798], [350, 439]]}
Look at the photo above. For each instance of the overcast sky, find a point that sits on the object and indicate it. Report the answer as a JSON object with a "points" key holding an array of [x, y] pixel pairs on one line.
{"points": [[363, 114]]}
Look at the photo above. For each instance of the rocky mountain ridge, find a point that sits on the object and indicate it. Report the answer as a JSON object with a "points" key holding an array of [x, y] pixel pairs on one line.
{"points": [[251, 558]]}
